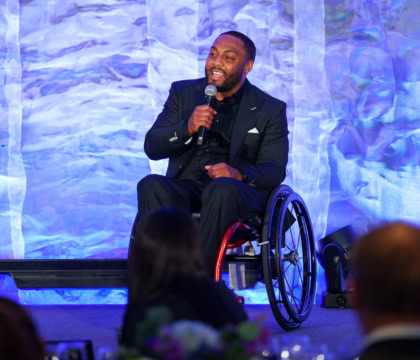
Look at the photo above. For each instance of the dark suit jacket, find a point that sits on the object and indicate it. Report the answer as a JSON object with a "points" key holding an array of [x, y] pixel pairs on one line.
{"points": [[261, 154], [393, 349]]}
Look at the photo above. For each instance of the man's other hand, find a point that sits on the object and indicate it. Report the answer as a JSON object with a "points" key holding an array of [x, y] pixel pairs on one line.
{"points": [[201, 116], [223, 170]]}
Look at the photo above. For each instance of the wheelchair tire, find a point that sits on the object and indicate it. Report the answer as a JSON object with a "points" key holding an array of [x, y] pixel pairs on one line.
{"points": [[288, 257]]}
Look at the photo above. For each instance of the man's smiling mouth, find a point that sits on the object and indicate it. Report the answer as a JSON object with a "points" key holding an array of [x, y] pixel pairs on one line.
{"points": [[216, 74]]}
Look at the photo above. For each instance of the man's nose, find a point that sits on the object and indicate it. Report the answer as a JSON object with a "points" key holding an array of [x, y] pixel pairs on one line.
{"points": [[218, 61]]}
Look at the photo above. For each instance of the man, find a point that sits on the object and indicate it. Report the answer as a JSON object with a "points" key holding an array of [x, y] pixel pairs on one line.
{"points": [[231, 175], [386, 266]]}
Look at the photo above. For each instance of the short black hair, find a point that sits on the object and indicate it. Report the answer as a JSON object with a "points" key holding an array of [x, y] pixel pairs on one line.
{"points": [[248, 43]]}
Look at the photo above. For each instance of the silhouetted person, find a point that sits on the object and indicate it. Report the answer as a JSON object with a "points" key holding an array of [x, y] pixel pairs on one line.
{"points": [[386, 266], [165, 268], [19, 339]]}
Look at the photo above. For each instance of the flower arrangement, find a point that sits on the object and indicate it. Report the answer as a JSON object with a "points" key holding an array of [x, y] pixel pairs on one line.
{"points": [[159, 339]]}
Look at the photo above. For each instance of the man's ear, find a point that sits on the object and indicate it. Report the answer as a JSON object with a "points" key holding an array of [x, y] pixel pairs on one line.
{"points": [[248, 66]]}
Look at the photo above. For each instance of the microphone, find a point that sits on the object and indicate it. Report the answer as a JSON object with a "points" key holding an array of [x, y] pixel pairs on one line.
{"points": [[210, 91]]}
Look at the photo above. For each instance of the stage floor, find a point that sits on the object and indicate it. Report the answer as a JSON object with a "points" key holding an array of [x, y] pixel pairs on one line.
{"points": [[335, 331]]}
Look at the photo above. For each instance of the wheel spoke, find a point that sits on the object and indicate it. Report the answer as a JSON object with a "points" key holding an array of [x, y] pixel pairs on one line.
{"points": [[296, 301], [290, 293], [291, 233], [300, 273], [288, 266], [292, 288], [293, 281], [299, 240], [276, 291]]}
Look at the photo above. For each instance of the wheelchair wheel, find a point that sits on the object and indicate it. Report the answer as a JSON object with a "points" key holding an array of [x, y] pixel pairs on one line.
{"points": [[288, 256]]}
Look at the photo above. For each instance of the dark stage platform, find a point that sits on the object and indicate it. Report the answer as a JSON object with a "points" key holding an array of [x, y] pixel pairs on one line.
{"points": [[334, 329]]}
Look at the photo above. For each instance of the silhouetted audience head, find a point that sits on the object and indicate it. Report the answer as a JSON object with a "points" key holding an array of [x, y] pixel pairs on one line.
{"points": [[386, 275], [19, 339], [166, 248]]}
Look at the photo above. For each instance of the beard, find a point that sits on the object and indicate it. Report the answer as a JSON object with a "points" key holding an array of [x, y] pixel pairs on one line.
{"points": [[229, 82]]}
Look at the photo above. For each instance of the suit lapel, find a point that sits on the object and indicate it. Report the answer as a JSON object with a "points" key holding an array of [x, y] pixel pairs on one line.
{"points": [[247, 111], [199, 96]]}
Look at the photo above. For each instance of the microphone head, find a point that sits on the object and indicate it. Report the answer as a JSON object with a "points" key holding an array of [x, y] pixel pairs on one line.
{"points": [[210, 90]]}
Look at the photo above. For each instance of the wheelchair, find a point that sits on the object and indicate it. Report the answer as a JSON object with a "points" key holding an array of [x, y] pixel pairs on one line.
{"points": [[287, 259]]}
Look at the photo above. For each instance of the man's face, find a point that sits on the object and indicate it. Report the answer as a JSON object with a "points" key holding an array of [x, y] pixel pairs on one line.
{"points": [[227, 64]]}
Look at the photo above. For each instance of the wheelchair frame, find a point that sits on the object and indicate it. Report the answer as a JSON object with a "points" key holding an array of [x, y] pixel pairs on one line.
{"points": [[287, 255]]}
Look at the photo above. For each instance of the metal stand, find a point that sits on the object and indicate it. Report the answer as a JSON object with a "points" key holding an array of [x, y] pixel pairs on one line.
{"points": [[340, 301]]}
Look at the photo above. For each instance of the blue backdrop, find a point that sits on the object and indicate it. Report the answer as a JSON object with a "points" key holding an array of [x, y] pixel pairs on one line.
{"points": [[82, 81]]}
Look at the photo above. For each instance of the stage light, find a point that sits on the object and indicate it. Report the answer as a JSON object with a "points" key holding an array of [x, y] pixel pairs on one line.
{"points": [[69, 350], [334, 255]]}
